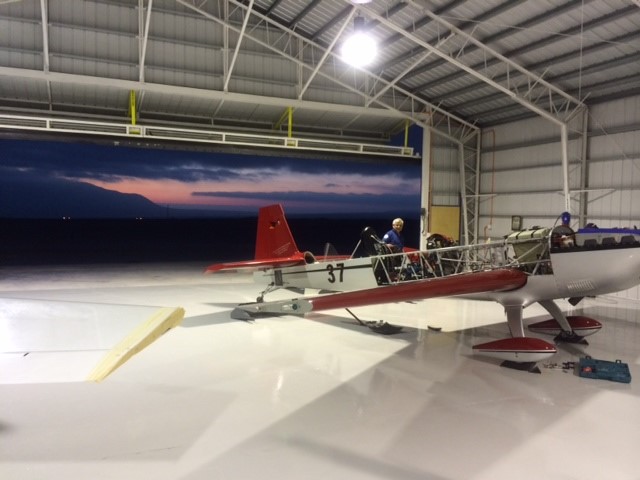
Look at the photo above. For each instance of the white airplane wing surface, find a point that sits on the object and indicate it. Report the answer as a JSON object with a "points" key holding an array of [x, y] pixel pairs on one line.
{"points": [[57, 323], [60, 340]]}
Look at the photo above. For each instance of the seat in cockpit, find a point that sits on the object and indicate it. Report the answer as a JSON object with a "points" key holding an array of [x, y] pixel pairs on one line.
{"points": [[563, 236], [371, 243], [374, 247]]}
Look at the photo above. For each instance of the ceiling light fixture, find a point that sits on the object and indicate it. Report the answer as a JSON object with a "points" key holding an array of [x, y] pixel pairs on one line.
{"points": [[360, 48]]}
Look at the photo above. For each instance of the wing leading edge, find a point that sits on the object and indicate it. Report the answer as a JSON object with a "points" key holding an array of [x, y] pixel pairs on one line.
{"points": [[499, 280]]}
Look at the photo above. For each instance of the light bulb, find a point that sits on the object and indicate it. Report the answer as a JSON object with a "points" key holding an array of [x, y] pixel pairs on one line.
{"points": [[359, 49]]}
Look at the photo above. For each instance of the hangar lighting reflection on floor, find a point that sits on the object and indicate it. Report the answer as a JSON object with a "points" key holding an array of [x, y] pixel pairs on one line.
{"points": [[317, 397]]}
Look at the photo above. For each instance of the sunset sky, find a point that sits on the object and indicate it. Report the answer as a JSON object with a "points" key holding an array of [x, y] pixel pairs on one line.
{"points": [[190, 179]]}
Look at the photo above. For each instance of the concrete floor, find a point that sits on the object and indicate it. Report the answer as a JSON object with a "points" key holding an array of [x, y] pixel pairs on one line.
{"points": [[290, 398]]}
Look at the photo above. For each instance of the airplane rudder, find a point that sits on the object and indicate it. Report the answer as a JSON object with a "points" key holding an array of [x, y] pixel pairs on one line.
{"points": [[274, 238]]}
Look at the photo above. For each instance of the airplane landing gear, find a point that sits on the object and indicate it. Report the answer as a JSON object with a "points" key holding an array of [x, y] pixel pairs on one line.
{"points": [[573, 329], [270, 288], [570, 337], [531, 367], [381, 327]]}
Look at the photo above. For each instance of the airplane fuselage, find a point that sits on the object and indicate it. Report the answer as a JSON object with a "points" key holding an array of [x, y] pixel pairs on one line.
{"points": [[577, 274], [577, 271], [538, 265], [340, 276]]}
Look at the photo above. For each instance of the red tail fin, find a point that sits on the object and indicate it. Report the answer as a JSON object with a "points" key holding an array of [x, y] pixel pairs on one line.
{"points": [[274, 239], [275, 246]]}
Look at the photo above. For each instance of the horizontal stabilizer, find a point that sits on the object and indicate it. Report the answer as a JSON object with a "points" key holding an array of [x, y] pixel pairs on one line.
{"points": [[301, 258], [256, 264]]}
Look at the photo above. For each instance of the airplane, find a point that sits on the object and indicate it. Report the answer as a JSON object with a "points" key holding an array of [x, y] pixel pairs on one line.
{"points": [[538, 265]]}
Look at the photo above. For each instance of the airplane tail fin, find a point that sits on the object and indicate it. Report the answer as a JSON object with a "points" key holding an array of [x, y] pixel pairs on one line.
{"points": [[274, 238], [275, 245]]}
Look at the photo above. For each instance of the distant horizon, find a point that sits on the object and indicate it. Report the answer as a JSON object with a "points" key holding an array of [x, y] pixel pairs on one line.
{"points": [[229, 214], [222, 238], [49, 179]]}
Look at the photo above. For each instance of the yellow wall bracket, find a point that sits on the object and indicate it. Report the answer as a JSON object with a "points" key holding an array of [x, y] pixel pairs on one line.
{"points": [[132, 106]]}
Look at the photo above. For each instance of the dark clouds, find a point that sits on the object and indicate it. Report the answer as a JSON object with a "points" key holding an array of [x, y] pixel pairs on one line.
{"points": [[30, 167], [112, 163], [331, 202], [26, 196]]}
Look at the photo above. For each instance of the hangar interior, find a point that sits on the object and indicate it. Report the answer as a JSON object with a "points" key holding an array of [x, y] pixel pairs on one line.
{"points": [[527, 108]]}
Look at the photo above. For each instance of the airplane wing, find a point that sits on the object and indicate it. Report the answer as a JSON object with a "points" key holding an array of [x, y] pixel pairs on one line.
{"points": [[499, 280], [51, 336]]}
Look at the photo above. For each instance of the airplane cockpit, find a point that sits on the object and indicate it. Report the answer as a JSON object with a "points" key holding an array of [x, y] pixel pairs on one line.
{"points": [[594, 238], [371, 243], [531, 251], [562, 236]]}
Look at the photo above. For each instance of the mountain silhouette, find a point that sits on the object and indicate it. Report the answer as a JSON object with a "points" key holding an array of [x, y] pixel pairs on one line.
{"points": [[23, 195]]}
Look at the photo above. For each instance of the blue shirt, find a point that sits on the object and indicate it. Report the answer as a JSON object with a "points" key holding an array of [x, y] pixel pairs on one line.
{"points": [[394, 238]]}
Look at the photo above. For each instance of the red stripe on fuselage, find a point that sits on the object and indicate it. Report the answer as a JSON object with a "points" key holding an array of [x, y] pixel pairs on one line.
{"points": [[500, 280]]}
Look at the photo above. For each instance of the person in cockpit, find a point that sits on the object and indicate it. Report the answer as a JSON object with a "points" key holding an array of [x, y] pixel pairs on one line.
{"points": [[393, 238]]}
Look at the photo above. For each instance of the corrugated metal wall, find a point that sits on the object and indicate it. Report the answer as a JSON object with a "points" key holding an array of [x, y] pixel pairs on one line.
{"points": [[445, 173], [521, 172]]}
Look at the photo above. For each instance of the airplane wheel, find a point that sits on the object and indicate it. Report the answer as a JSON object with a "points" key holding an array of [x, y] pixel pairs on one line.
{"points": [[570, 337]]}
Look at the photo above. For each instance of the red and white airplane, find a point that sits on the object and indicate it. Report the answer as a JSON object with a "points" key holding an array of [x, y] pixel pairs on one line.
{"points": [[539, 265]]}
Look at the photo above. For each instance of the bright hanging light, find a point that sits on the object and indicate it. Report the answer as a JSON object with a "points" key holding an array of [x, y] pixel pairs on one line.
{"points": [[360, 48]]}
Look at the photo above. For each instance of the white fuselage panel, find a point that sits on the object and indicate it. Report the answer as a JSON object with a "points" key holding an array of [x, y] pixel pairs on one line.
{"points": [[596, 272], [343, 275], [576, 274]]}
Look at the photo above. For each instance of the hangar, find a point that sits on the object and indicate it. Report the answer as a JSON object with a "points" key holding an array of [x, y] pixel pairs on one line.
{"points": [[525, 109]]}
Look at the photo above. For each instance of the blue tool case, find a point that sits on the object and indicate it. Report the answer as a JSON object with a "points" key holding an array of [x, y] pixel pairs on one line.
{"points": [[604, 370]]}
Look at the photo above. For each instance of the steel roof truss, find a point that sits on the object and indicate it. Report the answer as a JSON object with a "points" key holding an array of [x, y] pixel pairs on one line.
{"points": [[405, 95], [45, 47], [326, 54], [509, 88], [410, 67], [245, 21], [143, 27], [45, 35]]}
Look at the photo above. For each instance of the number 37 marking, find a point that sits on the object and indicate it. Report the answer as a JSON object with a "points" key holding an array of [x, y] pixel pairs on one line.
{"points": [[332, 272]]}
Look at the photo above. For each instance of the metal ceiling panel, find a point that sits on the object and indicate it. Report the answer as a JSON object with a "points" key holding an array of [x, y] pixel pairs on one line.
{"points": [[100, 98], [20, 90], [218, 61]]}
